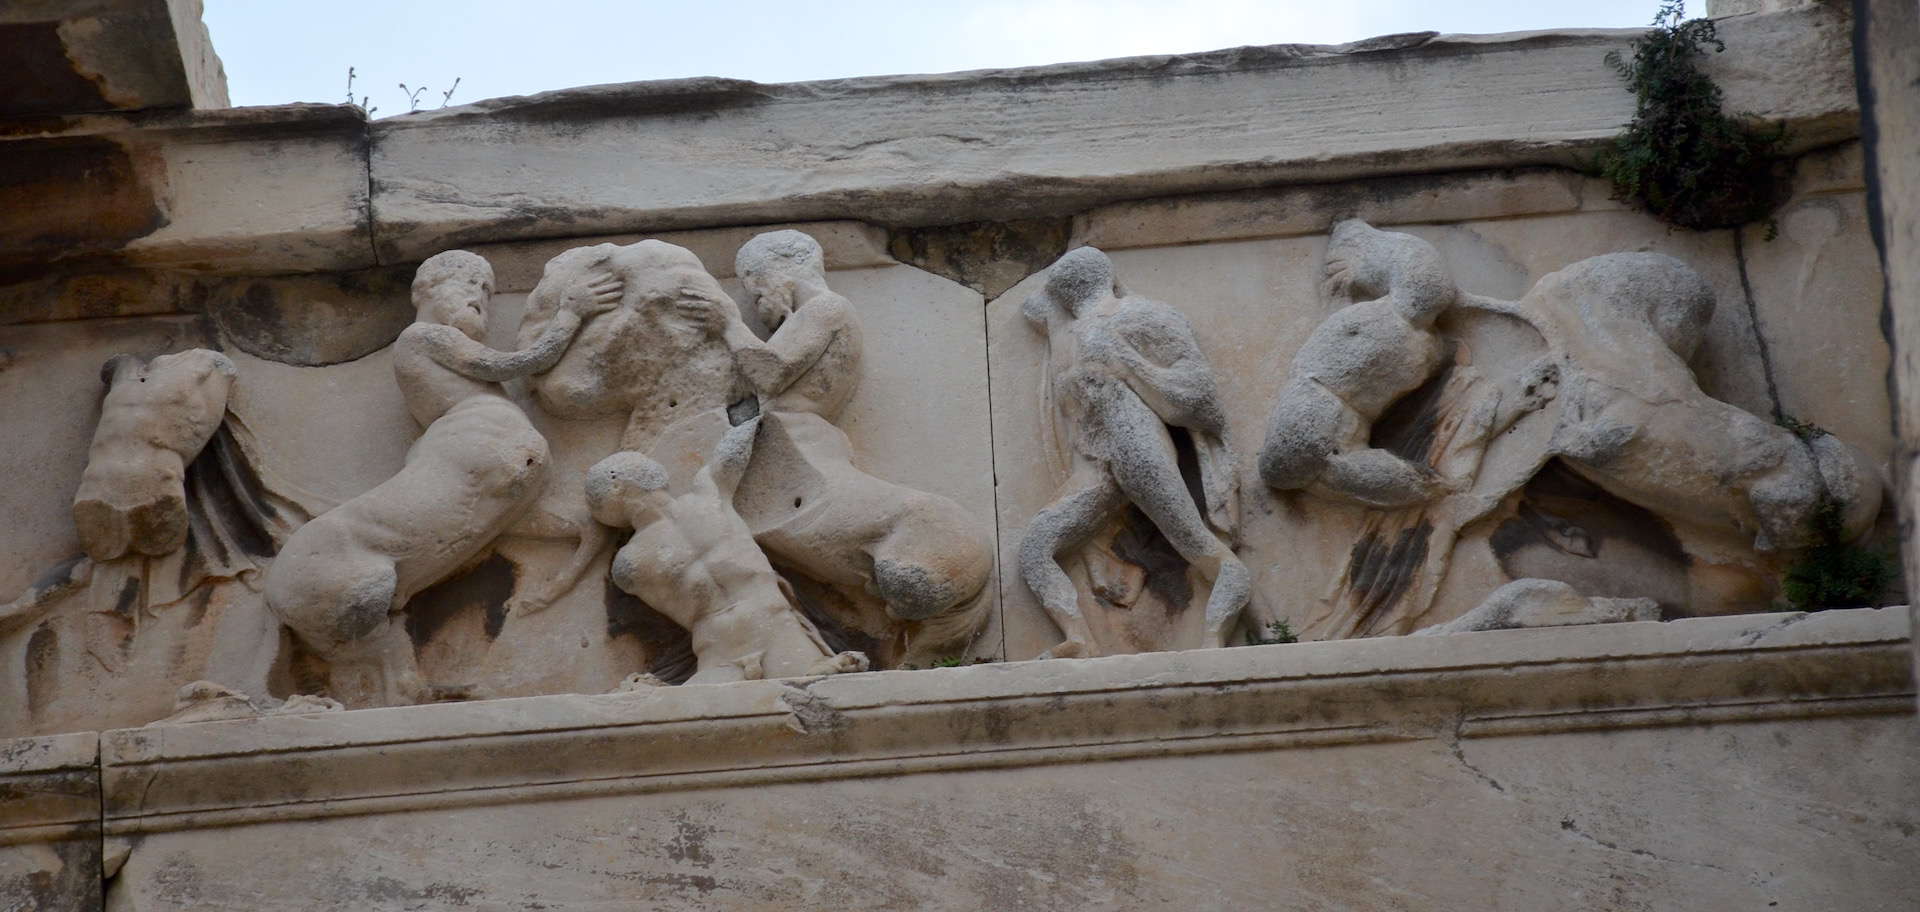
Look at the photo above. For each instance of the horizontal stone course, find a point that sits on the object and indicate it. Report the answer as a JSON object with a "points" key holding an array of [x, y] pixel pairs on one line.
{"points": [[1587, 768], [1542, 680], [305, 188]]}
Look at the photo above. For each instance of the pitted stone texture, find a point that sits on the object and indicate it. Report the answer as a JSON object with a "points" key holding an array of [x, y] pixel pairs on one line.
{"points": [[341, 580], [50, 383], [155, 418]]}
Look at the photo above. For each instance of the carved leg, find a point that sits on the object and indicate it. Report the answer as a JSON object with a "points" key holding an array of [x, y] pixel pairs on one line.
{"points": [[745, 668], [1086, 501], [1152, 480], [349, 621], [1377, 478], [377, 671], [841, 663]]}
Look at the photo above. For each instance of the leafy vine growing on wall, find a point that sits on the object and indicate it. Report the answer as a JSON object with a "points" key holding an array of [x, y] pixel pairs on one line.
{"points": [[1683, 158]]}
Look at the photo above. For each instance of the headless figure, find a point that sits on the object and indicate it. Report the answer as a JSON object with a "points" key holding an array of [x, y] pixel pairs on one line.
{"points": [[694, 559], [1362, 360], [341, 579], [1357, 363], [156, 417], [1132, 368], [1636, 422], [923, 555]]}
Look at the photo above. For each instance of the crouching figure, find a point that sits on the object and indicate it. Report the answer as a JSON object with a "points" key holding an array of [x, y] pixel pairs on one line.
{"points": [[694, 559]]}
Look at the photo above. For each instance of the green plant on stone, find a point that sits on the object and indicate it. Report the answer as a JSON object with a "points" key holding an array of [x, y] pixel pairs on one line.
{"points": [[1805, 430], [1683, 159], [1276, 632], [1831, 573], [1835, 574]]}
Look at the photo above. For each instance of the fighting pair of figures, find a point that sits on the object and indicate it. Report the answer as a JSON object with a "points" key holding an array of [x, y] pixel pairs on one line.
{"points": [[641, 330]]}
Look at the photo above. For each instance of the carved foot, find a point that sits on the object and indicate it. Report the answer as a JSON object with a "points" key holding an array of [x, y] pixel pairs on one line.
{"points": [[1068, 649], [206, 701], [639, 681], [532, 603], [844, 663]]}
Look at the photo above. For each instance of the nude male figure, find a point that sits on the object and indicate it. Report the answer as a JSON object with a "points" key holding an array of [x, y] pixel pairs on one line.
{"points": [[341, 579], [1127, 369], [1359, 362], [156, 417], [921, 554], [694, 559]]}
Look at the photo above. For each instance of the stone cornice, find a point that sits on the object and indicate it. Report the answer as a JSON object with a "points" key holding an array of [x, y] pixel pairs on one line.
{"points": [[49, 788], [1021, 714], [315, 188]]}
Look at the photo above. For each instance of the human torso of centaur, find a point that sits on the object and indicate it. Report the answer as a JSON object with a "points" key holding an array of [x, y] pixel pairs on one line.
{"points": [[829, 383], [478, 464], [1089, 369], [698, 559], [1369, 355], [155, 416]]}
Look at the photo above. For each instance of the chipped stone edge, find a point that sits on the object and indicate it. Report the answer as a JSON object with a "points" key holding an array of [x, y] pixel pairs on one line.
{"points": [[53, 786], [1486, 684], [517, 265]]}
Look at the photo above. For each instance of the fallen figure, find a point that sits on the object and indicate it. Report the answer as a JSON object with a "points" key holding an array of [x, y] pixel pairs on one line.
{"points": [[694, 559]]}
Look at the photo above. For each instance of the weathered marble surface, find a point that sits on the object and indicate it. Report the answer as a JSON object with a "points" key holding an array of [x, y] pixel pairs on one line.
{"points": [[1713, 763], [1250, 288]]}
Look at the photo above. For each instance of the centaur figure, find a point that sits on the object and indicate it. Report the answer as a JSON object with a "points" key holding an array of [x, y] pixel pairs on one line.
{"points": [[342, 579]]}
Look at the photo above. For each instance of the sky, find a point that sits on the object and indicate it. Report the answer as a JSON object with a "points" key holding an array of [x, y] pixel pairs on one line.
{"points": [[281, 51]]}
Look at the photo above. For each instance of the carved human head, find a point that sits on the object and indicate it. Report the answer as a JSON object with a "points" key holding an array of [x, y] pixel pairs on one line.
{"points": [[1636, 291], [615, 486], [1082, 277], [452, 289], [772, 266]]}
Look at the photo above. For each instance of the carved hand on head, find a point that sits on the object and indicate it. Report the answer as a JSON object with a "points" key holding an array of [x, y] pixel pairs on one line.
{"points": [[703, 313], [597, 293]]}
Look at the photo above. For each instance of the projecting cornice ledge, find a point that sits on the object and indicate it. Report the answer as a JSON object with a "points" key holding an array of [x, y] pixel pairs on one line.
{"points": [[316, 188], [1021, 714], [905, 151]]}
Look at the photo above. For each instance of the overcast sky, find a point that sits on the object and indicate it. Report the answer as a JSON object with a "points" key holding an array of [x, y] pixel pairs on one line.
{"points": [[279, 51]]}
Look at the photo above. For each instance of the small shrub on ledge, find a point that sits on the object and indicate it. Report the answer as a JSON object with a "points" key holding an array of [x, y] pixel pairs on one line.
{"points": [[1683, 159]]}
